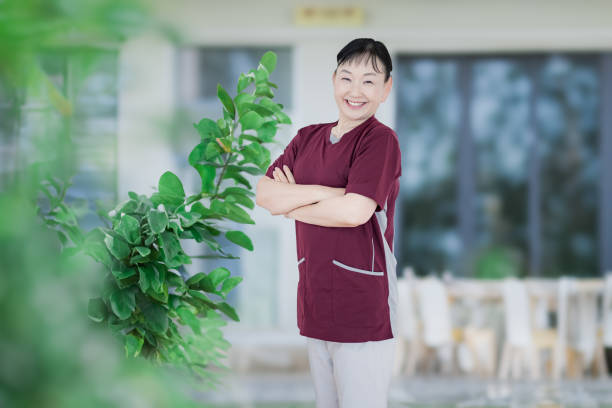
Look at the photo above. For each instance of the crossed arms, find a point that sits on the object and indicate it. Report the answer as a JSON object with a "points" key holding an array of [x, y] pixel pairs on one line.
{"points": [[312, 203]]}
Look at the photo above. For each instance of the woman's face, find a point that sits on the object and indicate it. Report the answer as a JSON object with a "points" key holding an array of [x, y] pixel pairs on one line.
{"points": [[359, 82]]}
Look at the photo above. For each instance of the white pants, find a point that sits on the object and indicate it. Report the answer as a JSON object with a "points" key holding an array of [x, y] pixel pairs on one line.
{"points": [[351, 375]]}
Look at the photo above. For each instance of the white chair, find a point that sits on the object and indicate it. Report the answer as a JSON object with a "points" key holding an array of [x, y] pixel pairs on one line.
{"points": [[408, 345], [437, 333], [519, 350], [577, 344]]}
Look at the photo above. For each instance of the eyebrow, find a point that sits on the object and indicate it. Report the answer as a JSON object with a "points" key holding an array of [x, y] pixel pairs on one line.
{"points": [[367, 73]]}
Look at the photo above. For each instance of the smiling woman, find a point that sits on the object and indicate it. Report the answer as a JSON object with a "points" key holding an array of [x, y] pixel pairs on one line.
{"points": [[339, 181]]}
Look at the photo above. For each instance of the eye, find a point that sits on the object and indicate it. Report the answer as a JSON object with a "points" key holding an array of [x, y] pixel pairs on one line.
{"points": [[346, 79], [369, 82]]}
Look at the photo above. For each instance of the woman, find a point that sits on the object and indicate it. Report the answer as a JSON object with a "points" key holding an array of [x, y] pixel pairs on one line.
{"points": [[339, 182]]}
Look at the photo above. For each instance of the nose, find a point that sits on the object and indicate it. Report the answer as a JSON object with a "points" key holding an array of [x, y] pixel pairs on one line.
{"points": [[355, 89]]}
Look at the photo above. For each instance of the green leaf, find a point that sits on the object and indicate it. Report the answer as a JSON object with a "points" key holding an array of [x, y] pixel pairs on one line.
{"points": [[96, 310], [193, 281], [189, 318], [233, 174], [251, 120], [228, 310], [243, 200], [175, 279], [243, 82], [187, 219], [230, 283], [202, 298], [156, 316], [218, 275], [268, 60], [146, 277], [122, 303], [162, 295], [208, 129], [122, 271], [241, 100], [197, 154], [238, 191], [263, 89], [170, 245], [117, 247], [231, 211], [206, 284], [226, 100], [158, 221], [129, 206], [143, 251], [261, 75], [129, 228], [269, 104], [212, 150], [283, 118], [171, 189], [249, 169], [267, 131], [207, 174], [240, 238], [262, 111], [96, 248], [133, 345]]}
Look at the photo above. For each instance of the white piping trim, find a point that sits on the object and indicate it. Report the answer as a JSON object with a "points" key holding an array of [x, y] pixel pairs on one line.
{"points": [[301, 260], [350, 268], [372, 254]]}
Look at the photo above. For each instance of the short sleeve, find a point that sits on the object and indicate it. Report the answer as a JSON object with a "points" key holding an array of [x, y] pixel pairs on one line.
{"points": [[287, 157], [376, 166]]}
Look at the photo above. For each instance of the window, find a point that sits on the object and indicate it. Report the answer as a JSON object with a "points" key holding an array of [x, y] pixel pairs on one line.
{"points": [[503, 152], [30, 121]]}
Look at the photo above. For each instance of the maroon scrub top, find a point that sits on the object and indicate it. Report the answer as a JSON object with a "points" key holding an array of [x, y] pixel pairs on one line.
{"points": [[347, 289]]}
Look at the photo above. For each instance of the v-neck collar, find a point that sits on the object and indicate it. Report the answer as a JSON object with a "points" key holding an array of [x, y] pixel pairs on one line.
{"points": [[356, 129]]}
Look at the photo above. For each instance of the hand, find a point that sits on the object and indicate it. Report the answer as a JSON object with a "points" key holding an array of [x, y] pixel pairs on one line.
{"points": [[283, 177]]}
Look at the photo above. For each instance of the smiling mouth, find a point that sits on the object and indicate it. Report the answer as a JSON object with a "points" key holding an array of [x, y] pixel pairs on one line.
{"points": [[354, 105]]}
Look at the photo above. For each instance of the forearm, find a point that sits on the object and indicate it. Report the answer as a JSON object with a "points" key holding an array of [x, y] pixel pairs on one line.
{"points": [[280, 198], [330, 212]]}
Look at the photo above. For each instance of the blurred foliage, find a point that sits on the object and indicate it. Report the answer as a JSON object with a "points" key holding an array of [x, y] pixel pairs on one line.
{"points": [[498, 263], [145, 296], [50, 354]]}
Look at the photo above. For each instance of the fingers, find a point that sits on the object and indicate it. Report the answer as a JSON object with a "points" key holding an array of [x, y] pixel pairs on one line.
{"points": [[280, 176], [289, 174]]}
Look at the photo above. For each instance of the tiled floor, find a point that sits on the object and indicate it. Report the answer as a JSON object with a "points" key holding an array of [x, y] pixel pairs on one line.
{"points": [[295, 391]]}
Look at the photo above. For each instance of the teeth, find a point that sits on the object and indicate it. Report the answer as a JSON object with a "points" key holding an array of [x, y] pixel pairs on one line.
{"points": [[355, 103]]}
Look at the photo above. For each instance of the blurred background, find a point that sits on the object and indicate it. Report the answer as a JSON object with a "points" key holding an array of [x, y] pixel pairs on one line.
{"points": [[504, 114]]}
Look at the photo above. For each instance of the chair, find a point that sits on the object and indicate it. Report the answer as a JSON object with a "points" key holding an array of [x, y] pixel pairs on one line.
{"points": [[437, 335], [480, 341], [605, 330], [578, 344], [408, 344], [523, 342]]}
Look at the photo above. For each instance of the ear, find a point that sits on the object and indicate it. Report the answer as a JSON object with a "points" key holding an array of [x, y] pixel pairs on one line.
{"points": [[387, 89]]}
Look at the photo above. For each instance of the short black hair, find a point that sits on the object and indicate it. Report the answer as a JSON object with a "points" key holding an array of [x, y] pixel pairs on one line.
{"points": [[359, 48]]}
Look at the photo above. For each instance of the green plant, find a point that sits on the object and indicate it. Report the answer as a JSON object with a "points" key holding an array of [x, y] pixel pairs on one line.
{"points": [[145, 298], [497, 262]]}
